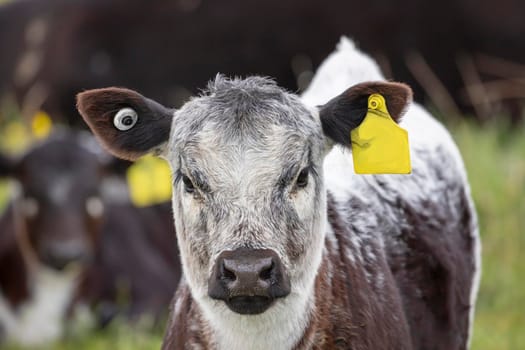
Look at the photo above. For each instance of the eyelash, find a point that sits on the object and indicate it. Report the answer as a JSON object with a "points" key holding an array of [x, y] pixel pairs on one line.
{"points": [[188, 184], [302, 178]]}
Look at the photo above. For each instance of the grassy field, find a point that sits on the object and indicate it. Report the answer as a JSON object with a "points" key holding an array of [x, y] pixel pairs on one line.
{"points": [[495, 160], [116, 337]]}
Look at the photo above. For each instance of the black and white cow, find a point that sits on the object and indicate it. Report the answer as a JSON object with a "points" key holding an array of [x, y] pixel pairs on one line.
{"points": [[70, 237], [283, 246]]}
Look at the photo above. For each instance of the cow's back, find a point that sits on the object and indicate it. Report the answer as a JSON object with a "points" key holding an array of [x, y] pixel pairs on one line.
{"points": [[425, 221], [428, 226]]}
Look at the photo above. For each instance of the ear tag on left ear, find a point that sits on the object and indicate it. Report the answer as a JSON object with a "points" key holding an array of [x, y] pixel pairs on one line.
{"points": [[379, 145]]}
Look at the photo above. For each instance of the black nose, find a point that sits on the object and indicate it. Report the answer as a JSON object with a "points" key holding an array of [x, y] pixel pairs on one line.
{"points": [[248, 280]]}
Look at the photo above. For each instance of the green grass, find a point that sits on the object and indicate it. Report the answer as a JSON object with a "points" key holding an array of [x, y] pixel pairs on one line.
{"points": [[116, 337], [495, 160]]}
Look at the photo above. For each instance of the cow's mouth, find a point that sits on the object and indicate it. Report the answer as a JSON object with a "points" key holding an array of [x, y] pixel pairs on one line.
{"points": [[249, 305]]}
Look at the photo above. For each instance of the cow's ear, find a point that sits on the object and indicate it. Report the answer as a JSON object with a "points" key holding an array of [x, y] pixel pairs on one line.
{"points": [[346, 111], [127, 124]]}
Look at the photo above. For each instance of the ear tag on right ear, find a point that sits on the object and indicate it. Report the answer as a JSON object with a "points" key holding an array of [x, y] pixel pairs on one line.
{"points": [[379, 145]]}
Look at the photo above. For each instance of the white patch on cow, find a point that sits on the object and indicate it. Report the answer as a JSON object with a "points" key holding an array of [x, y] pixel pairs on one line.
{"points": [[40, 319], [280, 327], [339, 173]]}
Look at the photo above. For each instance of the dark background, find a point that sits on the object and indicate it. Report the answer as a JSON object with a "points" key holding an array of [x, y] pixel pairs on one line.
{"points": [[461, 57]]}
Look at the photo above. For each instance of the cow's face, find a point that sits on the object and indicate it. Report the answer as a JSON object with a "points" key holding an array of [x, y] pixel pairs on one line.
{"points": [[248, 193], [248, 196], [60, 207]]}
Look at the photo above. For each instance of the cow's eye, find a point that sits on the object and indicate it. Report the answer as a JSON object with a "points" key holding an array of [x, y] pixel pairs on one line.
{"points": [[302, 178], [188, 185]]}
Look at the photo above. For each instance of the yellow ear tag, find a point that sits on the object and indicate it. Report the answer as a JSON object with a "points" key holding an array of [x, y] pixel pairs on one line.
{"points": [[149, 181], [379, 145], [41, 125]]}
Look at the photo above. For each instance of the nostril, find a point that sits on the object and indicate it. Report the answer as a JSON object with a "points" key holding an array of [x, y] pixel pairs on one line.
{"points": [[226, 274], [267, 273]]}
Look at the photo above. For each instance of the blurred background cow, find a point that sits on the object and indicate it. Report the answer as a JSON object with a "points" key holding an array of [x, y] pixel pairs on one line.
{"points": [[71, 237], [464, 59]]}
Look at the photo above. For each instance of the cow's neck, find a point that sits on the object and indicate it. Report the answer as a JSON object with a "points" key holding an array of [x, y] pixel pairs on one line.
{"points": [[190, 327], [356, 302], [331, 322]]}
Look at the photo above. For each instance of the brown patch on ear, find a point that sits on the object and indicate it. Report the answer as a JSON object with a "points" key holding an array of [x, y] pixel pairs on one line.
{"points": [[397, 95], [98, 108], [345, 112]]}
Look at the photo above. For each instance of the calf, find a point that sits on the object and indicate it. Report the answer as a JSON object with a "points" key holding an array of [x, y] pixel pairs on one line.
{"points": [[282, 245], [67, 240], [52, 224]]}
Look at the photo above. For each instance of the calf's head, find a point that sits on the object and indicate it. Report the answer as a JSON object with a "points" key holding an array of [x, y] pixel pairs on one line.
{"points": [[60, 208], [248, 193]]}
